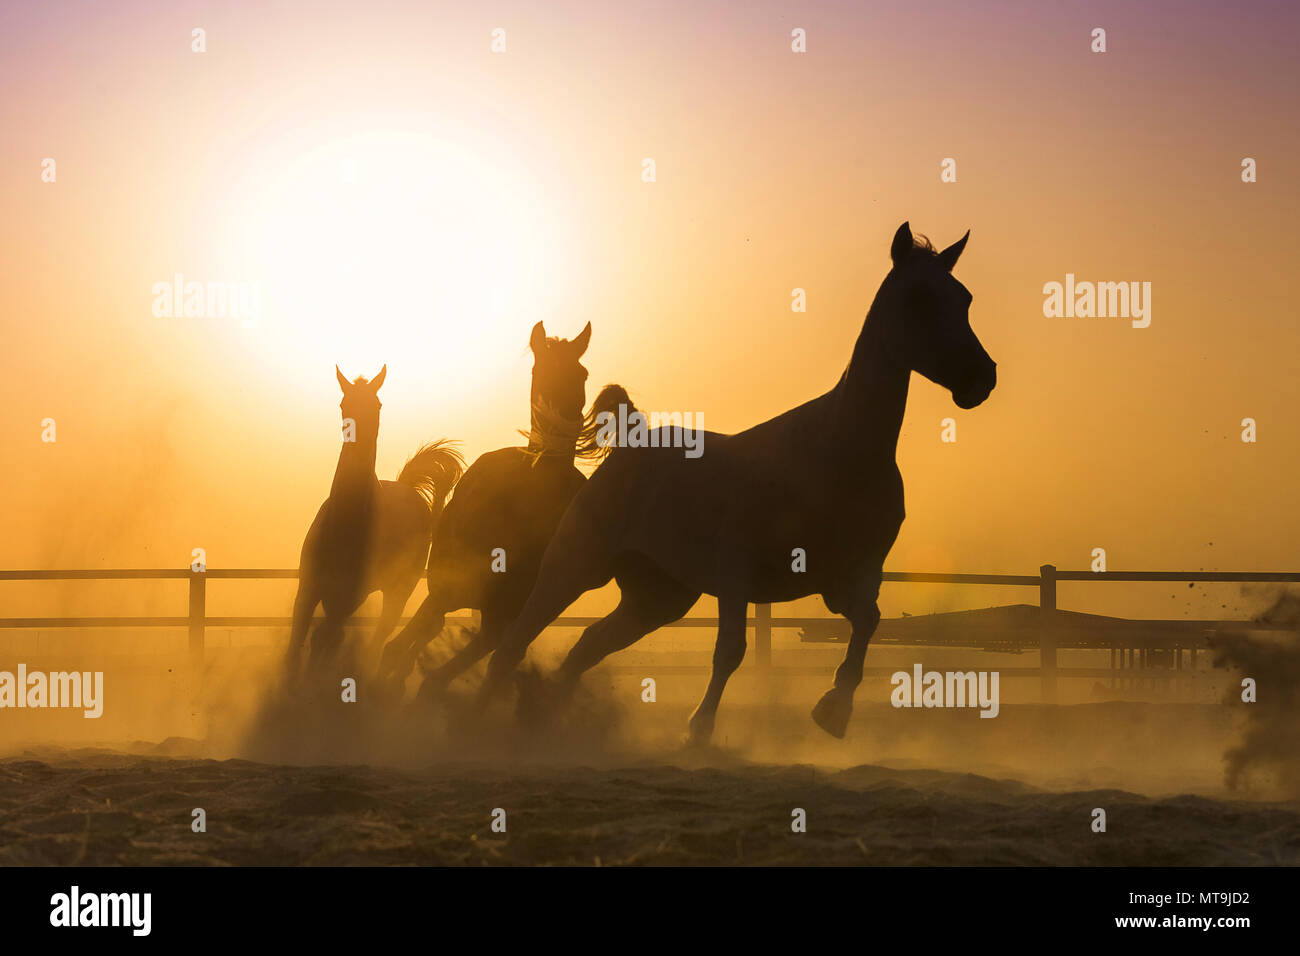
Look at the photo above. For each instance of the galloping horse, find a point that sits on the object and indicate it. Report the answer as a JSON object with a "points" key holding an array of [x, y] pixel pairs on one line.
{"points": [[369, 535], [489, 541], [821, 477]]}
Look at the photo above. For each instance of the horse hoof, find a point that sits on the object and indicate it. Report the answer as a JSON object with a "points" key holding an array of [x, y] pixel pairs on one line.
{"points": [[477, 706], [393, 660], [700, 731], [386, 690], [430, 692], [832, 712], [539, 698], [293, 666]]}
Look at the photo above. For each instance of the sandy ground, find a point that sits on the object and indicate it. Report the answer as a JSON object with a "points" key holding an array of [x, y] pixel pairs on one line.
{"points": [[101, 808], [293, 778], [584, 798]]}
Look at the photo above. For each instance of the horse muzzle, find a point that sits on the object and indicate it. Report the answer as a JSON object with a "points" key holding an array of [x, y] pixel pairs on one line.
{"points": [[978, 389]]}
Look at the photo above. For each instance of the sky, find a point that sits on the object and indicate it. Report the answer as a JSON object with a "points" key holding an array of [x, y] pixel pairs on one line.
{"points": [[402, 194]]}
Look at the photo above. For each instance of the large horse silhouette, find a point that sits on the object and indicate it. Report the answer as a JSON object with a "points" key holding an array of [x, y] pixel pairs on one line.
{"points": [[369, 535], [821, 477], [488, 543]]}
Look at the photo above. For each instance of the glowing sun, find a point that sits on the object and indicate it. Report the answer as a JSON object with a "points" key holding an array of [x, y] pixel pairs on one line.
{"points": [[391, 247]]}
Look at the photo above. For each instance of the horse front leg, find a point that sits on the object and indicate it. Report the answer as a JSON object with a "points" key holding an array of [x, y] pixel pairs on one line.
{"points": [[833, 711], [399, 654], [304, 606], [395, 599], [727, 655], [481, 643]]}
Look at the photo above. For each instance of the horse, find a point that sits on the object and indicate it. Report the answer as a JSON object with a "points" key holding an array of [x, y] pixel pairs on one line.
{"points": [[821, 477], [489, 540], [369, 535]]}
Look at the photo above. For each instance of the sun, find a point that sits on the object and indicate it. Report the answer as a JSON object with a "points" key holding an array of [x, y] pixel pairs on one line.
{"points": [[384, 247]]}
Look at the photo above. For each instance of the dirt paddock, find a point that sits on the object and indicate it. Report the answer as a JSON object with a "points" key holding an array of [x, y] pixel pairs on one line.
{"points": [[898, 791]]}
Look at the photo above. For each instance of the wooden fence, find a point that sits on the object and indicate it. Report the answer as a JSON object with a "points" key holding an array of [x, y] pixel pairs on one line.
{"points": [[197, 620]]}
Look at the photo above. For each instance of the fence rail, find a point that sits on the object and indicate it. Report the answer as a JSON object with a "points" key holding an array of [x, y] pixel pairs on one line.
{"points": [[197, 620]]}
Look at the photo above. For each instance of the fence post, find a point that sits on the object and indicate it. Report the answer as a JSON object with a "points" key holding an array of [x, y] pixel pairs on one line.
{"points": [[763, 635], [1047, 632], [198, 614]]}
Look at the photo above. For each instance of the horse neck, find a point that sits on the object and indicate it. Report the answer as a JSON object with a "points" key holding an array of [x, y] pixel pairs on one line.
{"points": [[871, 397], [355, 473], [543, 437]]}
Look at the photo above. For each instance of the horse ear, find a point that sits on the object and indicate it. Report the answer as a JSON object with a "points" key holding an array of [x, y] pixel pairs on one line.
{"points": [[582, 341], [902, 244], [948, 258], [537, 341], [379, 379], [343, 381]]}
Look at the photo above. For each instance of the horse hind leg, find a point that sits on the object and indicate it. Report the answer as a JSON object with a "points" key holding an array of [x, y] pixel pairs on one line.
{"points": [[727, 655], [649, 599], [569, 569]]}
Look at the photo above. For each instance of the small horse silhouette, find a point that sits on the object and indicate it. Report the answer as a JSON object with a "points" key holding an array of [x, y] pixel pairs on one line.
{"points": [[821, 477], [503, 513], [369, 535]]}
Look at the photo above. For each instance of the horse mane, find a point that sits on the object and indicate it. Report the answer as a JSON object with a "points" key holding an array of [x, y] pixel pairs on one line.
{"points": [[922, 244], [554, 434], [549, 340], [608, 400]]}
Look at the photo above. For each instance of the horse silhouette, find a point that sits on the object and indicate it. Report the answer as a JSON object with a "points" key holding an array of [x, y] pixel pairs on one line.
{"points": [[821, 477], [503, 513], [369, 535]]}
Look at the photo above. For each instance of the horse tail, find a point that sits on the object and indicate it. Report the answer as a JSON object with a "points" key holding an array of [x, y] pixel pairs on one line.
{"points": [[592, 446], [433, 471]]}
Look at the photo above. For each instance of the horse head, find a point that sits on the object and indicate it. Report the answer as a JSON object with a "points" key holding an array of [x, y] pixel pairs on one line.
{"points": [[559, 379], [361, 398], [929, 330]]}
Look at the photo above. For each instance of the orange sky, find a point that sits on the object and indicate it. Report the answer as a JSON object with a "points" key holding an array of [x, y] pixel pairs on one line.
{"points": [[404, 195]]}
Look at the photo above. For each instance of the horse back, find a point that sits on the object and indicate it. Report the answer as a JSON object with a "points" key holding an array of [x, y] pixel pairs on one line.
{"points": [[745, 515]]}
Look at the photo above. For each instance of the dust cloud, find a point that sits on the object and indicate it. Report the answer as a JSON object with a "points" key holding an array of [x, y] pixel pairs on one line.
{"points": [[1267, 755], [248, 707]]}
